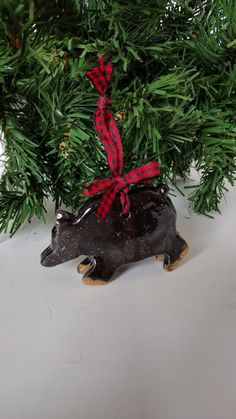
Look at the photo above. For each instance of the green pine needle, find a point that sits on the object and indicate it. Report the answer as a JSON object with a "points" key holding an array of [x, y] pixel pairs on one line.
{"points": [[173, 94]]}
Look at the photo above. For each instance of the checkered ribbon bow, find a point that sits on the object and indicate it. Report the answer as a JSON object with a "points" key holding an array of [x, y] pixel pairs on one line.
{"points": [[106, 127]]}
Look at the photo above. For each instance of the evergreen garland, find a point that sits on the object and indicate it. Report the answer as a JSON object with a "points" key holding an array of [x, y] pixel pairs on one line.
{"points": [[173, 95]]}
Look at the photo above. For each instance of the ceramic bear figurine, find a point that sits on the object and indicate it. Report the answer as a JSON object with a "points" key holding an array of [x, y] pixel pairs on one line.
{"points": [[148, 230]]}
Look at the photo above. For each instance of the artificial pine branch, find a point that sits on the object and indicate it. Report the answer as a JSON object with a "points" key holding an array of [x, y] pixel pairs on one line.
{"points": [[173, 94]]}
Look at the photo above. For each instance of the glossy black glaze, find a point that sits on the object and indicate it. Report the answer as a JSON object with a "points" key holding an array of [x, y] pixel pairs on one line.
{"points": [[150, 230]]}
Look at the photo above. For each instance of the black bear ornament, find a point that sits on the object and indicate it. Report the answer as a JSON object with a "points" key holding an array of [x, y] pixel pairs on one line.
{"points": [[148, 230]]}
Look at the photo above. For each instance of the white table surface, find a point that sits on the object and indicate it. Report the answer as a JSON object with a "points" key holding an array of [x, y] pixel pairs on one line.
{"points": [[149, 345]]}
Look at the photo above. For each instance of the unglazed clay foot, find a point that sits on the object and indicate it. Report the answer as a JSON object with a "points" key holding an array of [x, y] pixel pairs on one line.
{"points": [[171, 262], [173, 265], [90, 281]]}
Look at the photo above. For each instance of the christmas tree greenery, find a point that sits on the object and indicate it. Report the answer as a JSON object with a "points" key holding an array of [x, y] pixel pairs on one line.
{"points": [[173, 94]]}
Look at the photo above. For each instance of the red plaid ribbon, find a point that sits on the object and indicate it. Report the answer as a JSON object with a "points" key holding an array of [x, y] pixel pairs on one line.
{"points": [[109, 134]]}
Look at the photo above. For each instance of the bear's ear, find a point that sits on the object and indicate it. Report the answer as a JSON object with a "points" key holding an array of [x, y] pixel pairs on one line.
{"points": [[163, 188], [63, 216]]}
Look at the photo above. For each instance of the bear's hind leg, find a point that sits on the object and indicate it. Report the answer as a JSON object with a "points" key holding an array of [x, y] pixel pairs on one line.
{"points": [[173, 257]]}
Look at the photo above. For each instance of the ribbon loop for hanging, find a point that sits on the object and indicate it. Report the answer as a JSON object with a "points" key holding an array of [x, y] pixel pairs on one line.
{"points": [[108, 132]]}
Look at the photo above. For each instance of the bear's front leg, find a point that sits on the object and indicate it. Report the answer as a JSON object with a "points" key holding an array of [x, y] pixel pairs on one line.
{"points": [[97, 272]]}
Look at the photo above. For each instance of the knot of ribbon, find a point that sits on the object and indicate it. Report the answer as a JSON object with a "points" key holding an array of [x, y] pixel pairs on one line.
{"points": [[103, 102], [107, 130]]}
